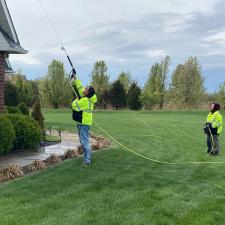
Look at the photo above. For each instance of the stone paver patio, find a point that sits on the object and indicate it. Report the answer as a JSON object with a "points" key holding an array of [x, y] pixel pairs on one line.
{"points": [[70, 141]]}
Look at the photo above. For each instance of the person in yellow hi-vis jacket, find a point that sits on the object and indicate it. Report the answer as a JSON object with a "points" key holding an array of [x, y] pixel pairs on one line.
{"points": [[213, 128], [82, 114]]}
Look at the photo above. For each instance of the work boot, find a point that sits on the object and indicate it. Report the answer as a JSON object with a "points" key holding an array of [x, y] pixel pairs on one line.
{"points": [[210, 151], [215, 153]]}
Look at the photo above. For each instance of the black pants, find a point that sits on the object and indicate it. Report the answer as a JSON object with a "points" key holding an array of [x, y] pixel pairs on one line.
{"points": [[213, 144]]}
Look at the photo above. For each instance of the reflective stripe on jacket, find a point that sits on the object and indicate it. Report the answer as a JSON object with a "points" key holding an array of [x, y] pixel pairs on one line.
{"points": [[84, 106], [216, 120]]}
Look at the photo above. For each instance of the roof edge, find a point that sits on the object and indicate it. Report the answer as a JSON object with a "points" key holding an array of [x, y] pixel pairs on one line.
{"points": [[10, 22]]}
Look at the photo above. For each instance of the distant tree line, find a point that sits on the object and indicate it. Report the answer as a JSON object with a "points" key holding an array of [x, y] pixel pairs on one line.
{"points": [[184, 89]]}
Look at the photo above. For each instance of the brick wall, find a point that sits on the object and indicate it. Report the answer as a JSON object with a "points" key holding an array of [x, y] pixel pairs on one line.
{"points": [[2, 81]]}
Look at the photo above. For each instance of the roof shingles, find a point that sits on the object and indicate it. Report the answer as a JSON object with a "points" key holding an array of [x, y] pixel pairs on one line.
{"points": [[9, 42]]}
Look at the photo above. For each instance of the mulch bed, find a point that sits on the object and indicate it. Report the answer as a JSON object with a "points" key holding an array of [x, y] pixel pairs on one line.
{"points": [[14, 171]]}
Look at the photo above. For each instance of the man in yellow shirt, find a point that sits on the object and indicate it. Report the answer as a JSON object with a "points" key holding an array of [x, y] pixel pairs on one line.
{"points": [[82, 114], [213, 129]]}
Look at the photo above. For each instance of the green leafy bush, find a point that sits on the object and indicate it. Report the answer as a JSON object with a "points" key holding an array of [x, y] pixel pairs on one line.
{"points": [[23, 108], [12, 109], [7, 135], [5, 111], [28, 132]]}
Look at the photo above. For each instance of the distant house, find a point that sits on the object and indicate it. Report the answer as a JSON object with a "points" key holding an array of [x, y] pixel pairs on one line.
{"points": [[9, 44]]}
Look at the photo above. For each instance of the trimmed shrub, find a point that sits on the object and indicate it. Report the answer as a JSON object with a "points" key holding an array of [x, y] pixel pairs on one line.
{"points": [[23, 108], [7, 135], [70, 154], [95, 146], [13, 109], [37, 114], [28, 132], [10, 172], [52, 159], [37, 165]]}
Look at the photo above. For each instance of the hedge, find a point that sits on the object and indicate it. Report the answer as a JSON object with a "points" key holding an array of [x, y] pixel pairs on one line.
{"points": [[28, 132], [7, 135]]}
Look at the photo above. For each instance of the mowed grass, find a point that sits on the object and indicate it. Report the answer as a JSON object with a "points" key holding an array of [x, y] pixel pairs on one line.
{"points": [[121, 188]]}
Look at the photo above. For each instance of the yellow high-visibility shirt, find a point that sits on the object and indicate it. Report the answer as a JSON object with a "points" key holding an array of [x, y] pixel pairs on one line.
{"points": [[83, 107], [216, 120]]}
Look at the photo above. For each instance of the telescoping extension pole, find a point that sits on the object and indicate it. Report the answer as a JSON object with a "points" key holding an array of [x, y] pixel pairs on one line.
{"points": [[73, 72], [71, 64]]}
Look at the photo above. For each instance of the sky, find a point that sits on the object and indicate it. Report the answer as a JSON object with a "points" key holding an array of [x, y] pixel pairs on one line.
{"points": [[129, 35]]}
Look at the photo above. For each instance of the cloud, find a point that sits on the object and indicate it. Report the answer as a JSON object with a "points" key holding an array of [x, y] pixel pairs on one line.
{"points": [[218, 37], [178, 22], [155, 53], [142, 39], [128, 35], [217, 65], [27, 59], [70, 17], [215, 52]]}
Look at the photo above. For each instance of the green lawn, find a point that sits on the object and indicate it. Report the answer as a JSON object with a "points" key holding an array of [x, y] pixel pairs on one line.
{"points": [[120, 188]]}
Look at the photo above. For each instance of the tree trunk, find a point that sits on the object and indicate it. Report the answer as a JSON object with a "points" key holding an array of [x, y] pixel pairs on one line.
{"points": [[161, 101], [55, 105]]}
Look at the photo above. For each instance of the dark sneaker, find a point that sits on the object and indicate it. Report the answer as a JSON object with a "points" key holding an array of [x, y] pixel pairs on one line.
{"points": [[210, 151], [216, 153]]}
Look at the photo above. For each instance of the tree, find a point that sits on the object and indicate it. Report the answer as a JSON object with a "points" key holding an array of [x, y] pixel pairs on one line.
{"points": [[100, 81], [221, 94], [28, 91], [187, 87], [69, 95], [118, 95], [32, 92], [155, 87], [54, 85], [177, 85], [35, 96], [37, 114], [21, 83], [163, 79], [151, 91], [11, 94], [133, 98], [125, 80]]}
